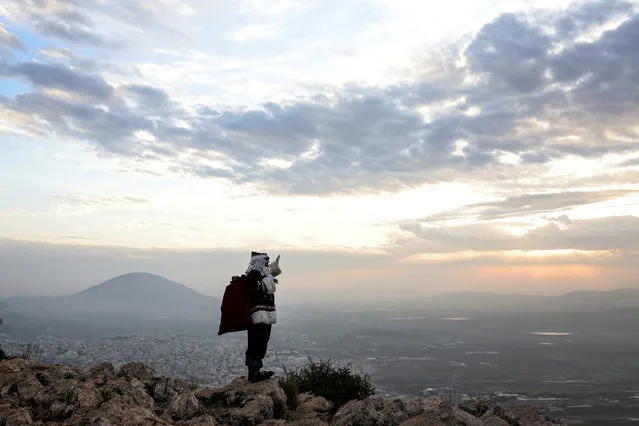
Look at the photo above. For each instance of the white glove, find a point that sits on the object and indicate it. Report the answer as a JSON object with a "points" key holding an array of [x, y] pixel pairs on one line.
{"points": [[275, 267], [268, 283]]}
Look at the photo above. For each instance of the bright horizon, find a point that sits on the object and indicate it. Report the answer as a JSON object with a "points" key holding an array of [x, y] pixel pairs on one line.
{"points": [[382, 148]]}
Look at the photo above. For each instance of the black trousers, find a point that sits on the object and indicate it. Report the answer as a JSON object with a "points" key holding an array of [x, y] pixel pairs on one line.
{"points": [[258, 338]]}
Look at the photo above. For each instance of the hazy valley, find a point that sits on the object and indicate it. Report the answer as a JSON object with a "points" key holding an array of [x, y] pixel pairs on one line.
{"points": [[575, 354]]}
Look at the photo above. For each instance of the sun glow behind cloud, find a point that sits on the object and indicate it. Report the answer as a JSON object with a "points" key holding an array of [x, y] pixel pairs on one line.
{"points": [[508, 255]]}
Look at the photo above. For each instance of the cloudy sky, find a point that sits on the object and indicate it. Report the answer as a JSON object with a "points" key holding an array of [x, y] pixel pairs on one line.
{"points": [[384, 147]]}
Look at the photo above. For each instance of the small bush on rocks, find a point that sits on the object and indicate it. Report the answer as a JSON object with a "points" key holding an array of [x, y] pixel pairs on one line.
{"points": [[338, 384], [289, 384]]}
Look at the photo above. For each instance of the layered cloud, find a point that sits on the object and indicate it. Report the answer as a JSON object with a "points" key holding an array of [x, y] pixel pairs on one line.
{"points": [[10, 41], [97, 24], [529, 205], [525, 91], [606, 233]]}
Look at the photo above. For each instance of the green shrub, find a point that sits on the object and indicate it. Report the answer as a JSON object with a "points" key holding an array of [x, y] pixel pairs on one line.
{"points": [[289, 384], [338, 384]]}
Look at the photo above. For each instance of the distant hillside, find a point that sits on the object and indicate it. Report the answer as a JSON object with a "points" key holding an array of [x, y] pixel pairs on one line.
{"points": [[477, 302], [128, 301], [627, 297], [144, 295]]}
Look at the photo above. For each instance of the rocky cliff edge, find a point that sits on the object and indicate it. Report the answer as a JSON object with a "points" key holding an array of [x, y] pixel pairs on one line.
{"points": [[33, 393]]}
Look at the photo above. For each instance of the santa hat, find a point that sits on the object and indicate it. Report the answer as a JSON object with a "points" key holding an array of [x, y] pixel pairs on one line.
{"points": [[258, 256]]}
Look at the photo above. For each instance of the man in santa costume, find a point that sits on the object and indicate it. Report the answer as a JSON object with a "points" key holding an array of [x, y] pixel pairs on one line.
{"points": [[261, 285]]}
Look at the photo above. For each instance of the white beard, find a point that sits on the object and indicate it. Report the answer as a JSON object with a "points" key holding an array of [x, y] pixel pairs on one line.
{"points": [[259, 264]]}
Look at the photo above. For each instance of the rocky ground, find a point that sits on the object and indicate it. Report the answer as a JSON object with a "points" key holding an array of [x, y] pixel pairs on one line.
{"points": [[33, 393]]}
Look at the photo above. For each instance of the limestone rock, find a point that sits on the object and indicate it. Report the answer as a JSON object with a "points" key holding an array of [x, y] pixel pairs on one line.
{"points": [[398, 410], [16, 365], [478, 407], [45, 377], [185, 406], [312, 405], [303, 422], [426, 419], [204, 393], [65, 372], [32, 393], [308, 422], [440, 408], [440, 413], [523, 415], [101, 373], [62, 399], [316, 404], [28, 388], [359, 413], [205, 420], [462, 417], [240, 389], [23, 386], [86, 397], [16, 417], [311, 409], [245, 403], [493, 420], [166, 389], [136, 370], [122, 410], [414, 407], [132, 388]]}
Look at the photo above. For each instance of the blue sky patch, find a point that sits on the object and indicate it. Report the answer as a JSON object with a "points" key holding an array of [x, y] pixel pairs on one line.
{"points": [[10, 87]]}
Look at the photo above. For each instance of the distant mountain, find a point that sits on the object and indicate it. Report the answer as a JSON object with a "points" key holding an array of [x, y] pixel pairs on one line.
{"points": [[134, 296], [622, 298], [144, 295]]}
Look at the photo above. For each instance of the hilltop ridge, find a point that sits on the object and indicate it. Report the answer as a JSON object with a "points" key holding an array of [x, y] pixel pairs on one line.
{"points": [[144, 294], [134, 295], [31, 392], [137, 281]]}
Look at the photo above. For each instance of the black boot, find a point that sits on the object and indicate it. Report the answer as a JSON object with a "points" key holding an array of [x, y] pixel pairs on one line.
{"points": [[252, 374], [255, 375]]}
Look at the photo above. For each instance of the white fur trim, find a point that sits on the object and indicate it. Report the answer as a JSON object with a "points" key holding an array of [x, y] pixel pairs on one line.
{"points": [[269, 284], [264, 317]]}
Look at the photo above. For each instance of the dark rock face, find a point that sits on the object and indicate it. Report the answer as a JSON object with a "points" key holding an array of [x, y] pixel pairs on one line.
{"points": [[478, 407], [33, 393]]}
